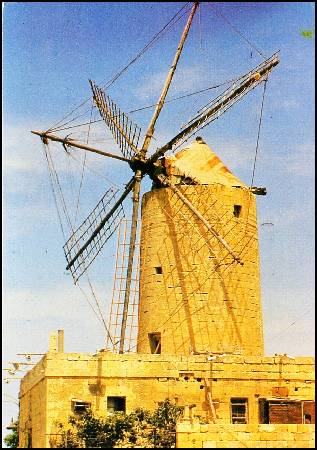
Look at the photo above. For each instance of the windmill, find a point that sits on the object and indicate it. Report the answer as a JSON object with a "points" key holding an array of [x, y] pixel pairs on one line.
{"points": [[86, 242]]}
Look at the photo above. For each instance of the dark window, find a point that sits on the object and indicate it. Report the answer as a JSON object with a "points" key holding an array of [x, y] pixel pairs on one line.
{"points": [[237, 210], [158, 270], [263, 411], [115, 404], [308, 411], [239, 410], [29, 438], [80, 407], [155, 343]]}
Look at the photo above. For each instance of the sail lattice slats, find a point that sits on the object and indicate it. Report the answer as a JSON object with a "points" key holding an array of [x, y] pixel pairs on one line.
{"points": [[226, 99], [78, 239], [118, 293], [125, 132]]}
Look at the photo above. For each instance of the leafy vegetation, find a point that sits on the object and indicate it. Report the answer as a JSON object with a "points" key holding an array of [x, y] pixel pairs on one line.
{"points": [[140, 428], [12, 439]]}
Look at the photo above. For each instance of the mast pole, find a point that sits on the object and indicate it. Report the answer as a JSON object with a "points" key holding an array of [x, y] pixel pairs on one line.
{"points": [[138, 175], [134, 224]]}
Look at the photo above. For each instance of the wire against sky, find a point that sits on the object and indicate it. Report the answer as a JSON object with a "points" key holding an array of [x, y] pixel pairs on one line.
{"points": [[138, 56]]}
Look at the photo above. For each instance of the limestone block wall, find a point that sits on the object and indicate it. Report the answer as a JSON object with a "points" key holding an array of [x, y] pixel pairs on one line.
{"points": [[191, 289], [47, 391], [33, 406], [196, 435]]}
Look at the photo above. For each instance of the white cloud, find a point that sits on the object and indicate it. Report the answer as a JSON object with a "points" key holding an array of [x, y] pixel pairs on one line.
{"points": [[236, 155], [184, 80], [26, 175], [21, 149], [25, 304]]}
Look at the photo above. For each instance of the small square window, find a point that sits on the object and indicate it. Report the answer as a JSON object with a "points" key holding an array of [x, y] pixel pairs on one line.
{"points": [[158, 270], [237, 210], [115, 404], [239, 410], [80, 407]]}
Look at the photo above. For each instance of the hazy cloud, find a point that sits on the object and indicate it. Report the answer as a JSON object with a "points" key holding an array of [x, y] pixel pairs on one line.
{"points": [[185, 80], [24, 304], [301, 161]]}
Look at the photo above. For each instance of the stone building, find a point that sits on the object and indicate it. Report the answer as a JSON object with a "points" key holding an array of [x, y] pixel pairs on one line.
{"points": [[200, 336]]}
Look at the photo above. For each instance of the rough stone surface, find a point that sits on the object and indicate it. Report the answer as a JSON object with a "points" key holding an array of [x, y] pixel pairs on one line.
{"points": [[203, 300], [47, 391], [244, 436]]}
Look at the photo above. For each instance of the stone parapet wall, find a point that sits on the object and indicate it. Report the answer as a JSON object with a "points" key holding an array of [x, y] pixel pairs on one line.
{"points": [[47, 391], [195, 435]]}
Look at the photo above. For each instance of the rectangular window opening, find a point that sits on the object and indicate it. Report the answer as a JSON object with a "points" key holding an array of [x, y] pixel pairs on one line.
{"points": [[80, 407], [158, 270], [286, 411], [237, 210], [115, 404], [239, 410], [155, 343]]}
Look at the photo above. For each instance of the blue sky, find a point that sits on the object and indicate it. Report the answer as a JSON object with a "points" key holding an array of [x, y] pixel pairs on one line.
{"points": [[52, 49]]}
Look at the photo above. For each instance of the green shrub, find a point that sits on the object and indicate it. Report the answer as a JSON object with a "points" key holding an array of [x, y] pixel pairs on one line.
{"points": [[139, 429]]}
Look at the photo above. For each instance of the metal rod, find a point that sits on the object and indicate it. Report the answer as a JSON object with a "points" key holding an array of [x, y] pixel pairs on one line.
{"points": [[168, 81], [134, 224], [72, 143]]}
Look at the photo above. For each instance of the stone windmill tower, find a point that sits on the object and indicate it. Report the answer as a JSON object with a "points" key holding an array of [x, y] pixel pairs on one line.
{"points": [[199, 285], [194, 297]]}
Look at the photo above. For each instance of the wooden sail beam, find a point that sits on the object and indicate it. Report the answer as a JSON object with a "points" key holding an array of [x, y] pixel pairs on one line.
{"points": [[222, 103], [128, 188], [72, 143], [168, 81], [134, 224]]}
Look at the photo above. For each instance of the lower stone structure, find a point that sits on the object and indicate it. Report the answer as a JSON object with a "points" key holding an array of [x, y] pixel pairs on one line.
{"points": [[195, 435], [237, 390]]}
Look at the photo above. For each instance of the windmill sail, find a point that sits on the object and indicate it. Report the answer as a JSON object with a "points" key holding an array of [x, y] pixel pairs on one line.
{"points": [[220, 105], [78, 264], [124, 131], [225, 100], [87, 241]]}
